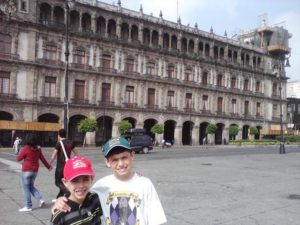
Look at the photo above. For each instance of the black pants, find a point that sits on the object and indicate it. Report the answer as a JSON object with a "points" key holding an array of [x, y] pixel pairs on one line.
{"points": [[63, 191]]}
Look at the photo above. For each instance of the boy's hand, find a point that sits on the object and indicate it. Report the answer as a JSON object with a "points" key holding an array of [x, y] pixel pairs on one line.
{"points": [[61, 205]]}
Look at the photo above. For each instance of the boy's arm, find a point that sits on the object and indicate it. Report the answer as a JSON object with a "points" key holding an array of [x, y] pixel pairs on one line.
{"points": [[61, 205], [75, 151], [53, 156], [44, 161]]}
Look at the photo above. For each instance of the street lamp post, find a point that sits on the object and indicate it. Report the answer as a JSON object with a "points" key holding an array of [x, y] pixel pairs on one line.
{"points": [[281, 146], [68, 4], [279, 71]]}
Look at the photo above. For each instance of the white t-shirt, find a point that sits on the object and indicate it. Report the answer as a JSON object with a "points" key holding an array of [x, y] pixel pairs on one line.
{"points": [[132, 202]]}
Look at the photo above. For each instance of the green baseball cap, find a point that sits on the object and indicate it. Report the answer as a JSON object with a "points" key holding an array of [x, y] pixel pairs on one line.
{"points": [[115, 142]]}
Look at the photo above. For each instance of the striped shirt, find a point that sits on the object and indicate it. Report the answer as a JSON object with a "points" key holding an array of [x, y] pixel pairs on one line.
{"points": [[89, 212]]}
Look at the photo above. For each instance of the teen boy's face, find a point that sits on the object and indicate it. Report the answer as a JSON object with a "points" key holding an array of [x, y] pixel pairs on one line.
{"points": [[79, 187], [121, 164]]}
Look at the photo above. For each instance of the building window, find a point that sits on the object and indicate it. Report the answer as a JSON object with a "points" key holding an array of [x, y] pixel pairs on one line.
{"points": [[129, 67], [258, 109], [188, 75], [151, 68], [274, 89], [233, 106], [106, 61], [130, 94], [246, 108], [171, 71], [246, 85], [171, 99], [274, 111], [51, 52], [220, 80], [4, 82], [5, 45], [257, 86], [151, 97], [205, 78], [233, 82], [106, 90], [23, 5], [79, 57], [50, 86], [188, 100], [220, 105], [79, 90], [205, 102]]}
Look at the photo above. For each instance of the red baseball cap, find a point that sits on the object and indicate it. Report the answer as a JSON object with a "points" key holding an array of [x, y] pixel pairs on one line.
{"points": [[78, 166]]}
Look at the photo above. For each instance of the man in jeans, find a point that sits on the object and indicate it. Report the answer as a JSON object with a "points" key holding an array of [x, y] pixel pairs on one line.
{"points": [[58, 153]]}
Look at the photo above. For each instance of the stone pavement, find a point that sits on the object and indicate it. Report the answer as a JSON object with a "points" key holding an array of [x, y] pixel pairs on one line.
{"points": [[243, 189]]}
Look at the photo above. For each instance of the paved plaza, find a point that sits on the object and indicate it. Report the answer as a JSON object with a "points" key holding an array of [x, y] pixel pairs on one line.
{"points": [[197, 189]]}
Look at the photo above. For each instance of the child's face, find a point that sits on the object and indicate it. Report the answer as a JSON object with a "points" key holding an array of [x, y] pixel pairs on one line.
{"points": [[121, 164], [79, 187]]}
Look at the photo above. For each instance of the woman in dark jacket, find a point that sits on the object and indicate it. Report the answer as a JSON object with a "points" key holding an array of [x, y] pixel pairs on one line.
{"points": [[31, 154]]}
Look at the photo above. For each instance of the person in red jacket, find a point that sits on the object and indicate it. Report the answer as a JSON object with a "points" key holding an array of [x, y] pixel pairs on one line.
{"points": [[30, 155]]}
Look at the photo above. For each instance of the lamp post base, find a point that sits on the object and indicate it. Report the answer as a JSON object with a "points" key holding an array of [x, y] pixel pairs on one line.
{"points": [[281, 148]]}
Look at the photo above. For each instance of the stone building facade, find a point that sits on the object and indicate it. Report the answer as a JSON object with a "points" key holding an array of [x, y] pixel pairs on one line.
{"points": [[124, 64]]}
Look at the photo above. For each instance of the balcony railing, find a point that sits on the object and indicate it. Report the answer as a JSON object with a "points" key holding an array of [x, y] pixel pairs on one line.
{"points": [[130, 105], [205, 112], [151, 106], [276, 119], [107, 70], [50, 62], [189, 110], [5, 55], [106, 103], [171, 108], [7, 96], [47, 99], [79, 101], [221, 113], [235, 115]]}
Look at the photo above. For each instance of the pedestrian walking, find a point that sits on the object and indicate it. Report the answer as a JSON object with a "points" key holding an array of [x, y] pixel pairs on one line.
{"points": [[62, 151], [17, 145], [30, 155]]}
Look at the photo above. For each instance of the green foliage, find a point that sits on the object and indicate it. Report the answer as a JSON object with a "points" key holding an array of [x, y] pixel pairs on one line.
{"points": [[253, 130], [254, 142], [233, 130], [290, 138], [157, 128], [211, 128], [87, 125], [123, 126]]}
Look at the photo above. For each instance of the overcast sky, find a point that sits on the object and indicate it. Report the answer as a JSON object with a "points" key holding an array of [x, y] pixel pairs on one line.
{"points": [[230, 15]]}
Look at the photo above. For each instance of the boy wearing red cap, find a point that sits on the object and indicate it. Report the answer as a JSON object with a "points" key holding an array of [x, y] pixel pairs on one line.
{"points": [[85, 206], [126, 198]]}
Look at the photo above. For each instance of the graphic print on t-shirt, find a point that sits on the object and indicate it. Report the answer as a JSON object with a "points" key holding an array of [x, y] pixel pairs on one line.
{"points": [[123, 208]]}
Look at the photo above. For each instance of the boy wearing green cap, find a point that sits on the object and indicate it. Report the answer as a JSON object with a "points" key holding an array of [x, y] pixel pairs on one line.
{"points": [[126, 198]]}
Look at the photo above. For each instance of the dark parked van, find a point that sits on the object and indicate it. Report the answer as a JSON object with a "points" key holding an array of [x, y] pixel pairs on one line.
{"points": [[139, 140]]}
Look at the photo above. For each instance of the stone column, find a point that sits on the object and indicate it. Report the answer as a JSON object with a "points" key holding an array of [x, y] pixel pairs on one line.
{"points": [[195, 135], [178, 136], [90, 138], [93, 23]]}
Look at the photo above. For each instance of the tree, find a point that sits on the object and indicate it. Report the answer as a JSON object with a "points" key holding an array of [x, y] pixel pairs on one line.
{"points": [[233, 131], [157, 129], [87, 125], [253, 130], [123, 126], [211, 128]]}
